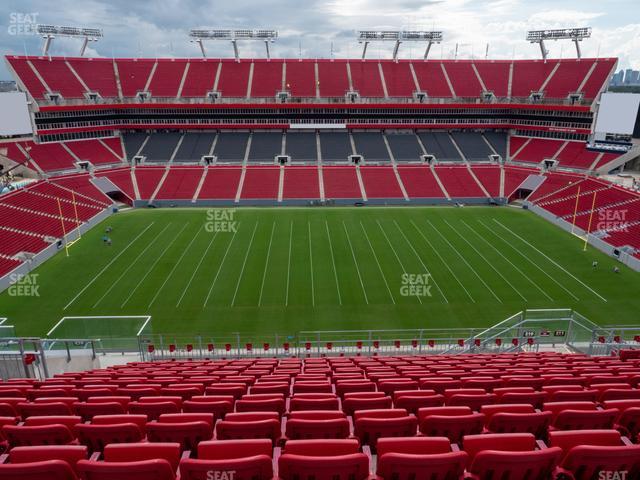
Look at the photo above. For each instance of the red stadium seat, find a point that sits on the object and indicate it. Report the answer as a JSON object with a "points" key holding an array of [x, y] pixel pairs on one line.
{"points": [[23, 436], [188, 434], [156, 469], [539, 464], [236, 430], [153, 410], [135, 452], [453, 427], [585, 462], [50, 469], [505, 442], [354, 402], [139, 420], [353, 466], [536, 423], [302, 429], [71, 454], [397, 464], [96, 437], [369, 428], [88, 410], [585, 420]]}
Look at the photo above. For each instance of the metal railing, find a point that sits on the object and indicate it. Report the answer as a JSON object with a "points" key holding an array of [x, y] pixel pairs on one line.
{"points": [[526, 331]]}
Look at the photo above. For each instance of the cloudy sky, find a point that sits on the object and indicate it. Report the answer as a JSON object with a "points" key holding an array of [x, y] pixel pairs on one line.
{"points": [[315, 28]]}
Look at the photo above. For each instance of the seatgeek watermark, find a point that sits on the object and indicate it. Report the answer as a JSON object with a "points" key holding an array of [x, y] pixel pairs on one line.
{"points": [[221, 474], [613, 475], [612, 220], [415, 285], [24, 285], [21, 23], [221, 220]]}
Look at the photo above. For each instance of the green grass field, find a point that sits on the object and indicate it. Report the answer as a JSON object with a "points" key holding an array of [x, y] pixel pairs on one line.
{"points": [[292, 269]]}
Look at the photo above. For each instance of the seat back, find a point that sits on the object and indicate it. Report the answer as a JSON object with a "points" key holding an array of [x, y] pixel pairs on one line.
{"points": [[413, 445], [230, 430], [49, 469], [299, 429], [88, 410], [536, 423], [406, 466], [322, 448], [587, 461], [226, 449], [297, 404], [156, 469], [261, 405], [153, 409], [351, 404], [354, 466], [412, 403], [139, 420], [257, 467], [538, 464], [70, 454], [136, 452], [454, 428], [568, 439], [585, 420], [27, 410], [95, 437], [369, 429], [509, 442], [188, 434], [20, 435]]}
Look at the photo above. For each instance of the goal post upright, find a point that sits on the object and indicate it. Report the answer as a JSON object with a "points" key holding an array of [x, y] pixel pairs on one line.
{"points": [[64, 230]]}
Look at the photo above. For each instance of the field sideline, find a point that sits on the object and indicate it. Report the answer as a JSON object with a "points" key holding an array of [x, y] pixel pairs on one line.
{"points": [[290, 269]]}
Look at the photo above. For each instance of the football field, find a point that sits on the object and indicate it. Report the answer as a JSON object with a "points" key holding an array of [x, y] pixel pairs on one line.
{"points": [[283, 270]]}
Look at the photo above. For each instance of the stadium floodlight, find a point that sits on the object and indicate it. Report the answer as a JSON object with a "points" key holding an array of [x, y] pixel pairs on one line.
{"points": [[266, 36], [576, 35], [398, 36], [49, 32]]}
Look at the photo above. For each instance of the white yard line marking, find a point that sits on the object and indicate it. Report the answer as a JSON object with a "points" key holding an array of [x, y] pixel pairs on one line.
{"points": [[333, 261], [107, 266], [244, 263], [130, 266], [465, 261], [404, 270], [552, 261], [421, 233], [140, 282], [266, 263], [486, 261], [224, 257], [286, 300], [421, 262], [313, 293], [184, 252], [375, 257], [366, 299], [509, 261], [195, 270], [528, 259]]}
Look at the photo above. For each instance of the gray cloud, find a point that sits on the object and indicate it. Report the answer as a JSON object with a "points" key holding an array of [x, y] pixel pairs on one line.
{"points": [[159, 28]]}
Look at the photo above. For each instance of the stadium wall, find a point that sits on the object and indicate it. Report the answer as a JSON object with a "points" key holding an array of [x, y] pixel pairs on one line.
{"points": [[624, 258]]}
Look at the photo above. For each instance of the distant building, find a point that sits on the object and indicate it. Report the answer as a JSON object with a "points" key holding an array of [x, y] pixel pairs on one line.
{"points": [[628, 77]]}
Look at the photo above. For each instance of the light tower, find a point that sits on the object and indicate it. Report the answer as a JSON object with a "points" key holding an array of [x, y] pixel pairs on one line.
{"points": [[49, 32], [397, 36], [576, 35], [200, 35]]}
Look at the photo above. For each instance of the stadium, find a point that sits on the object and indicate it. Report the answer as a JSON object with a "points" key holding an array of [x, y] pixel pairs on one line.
{"points": [[258, 266]]}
